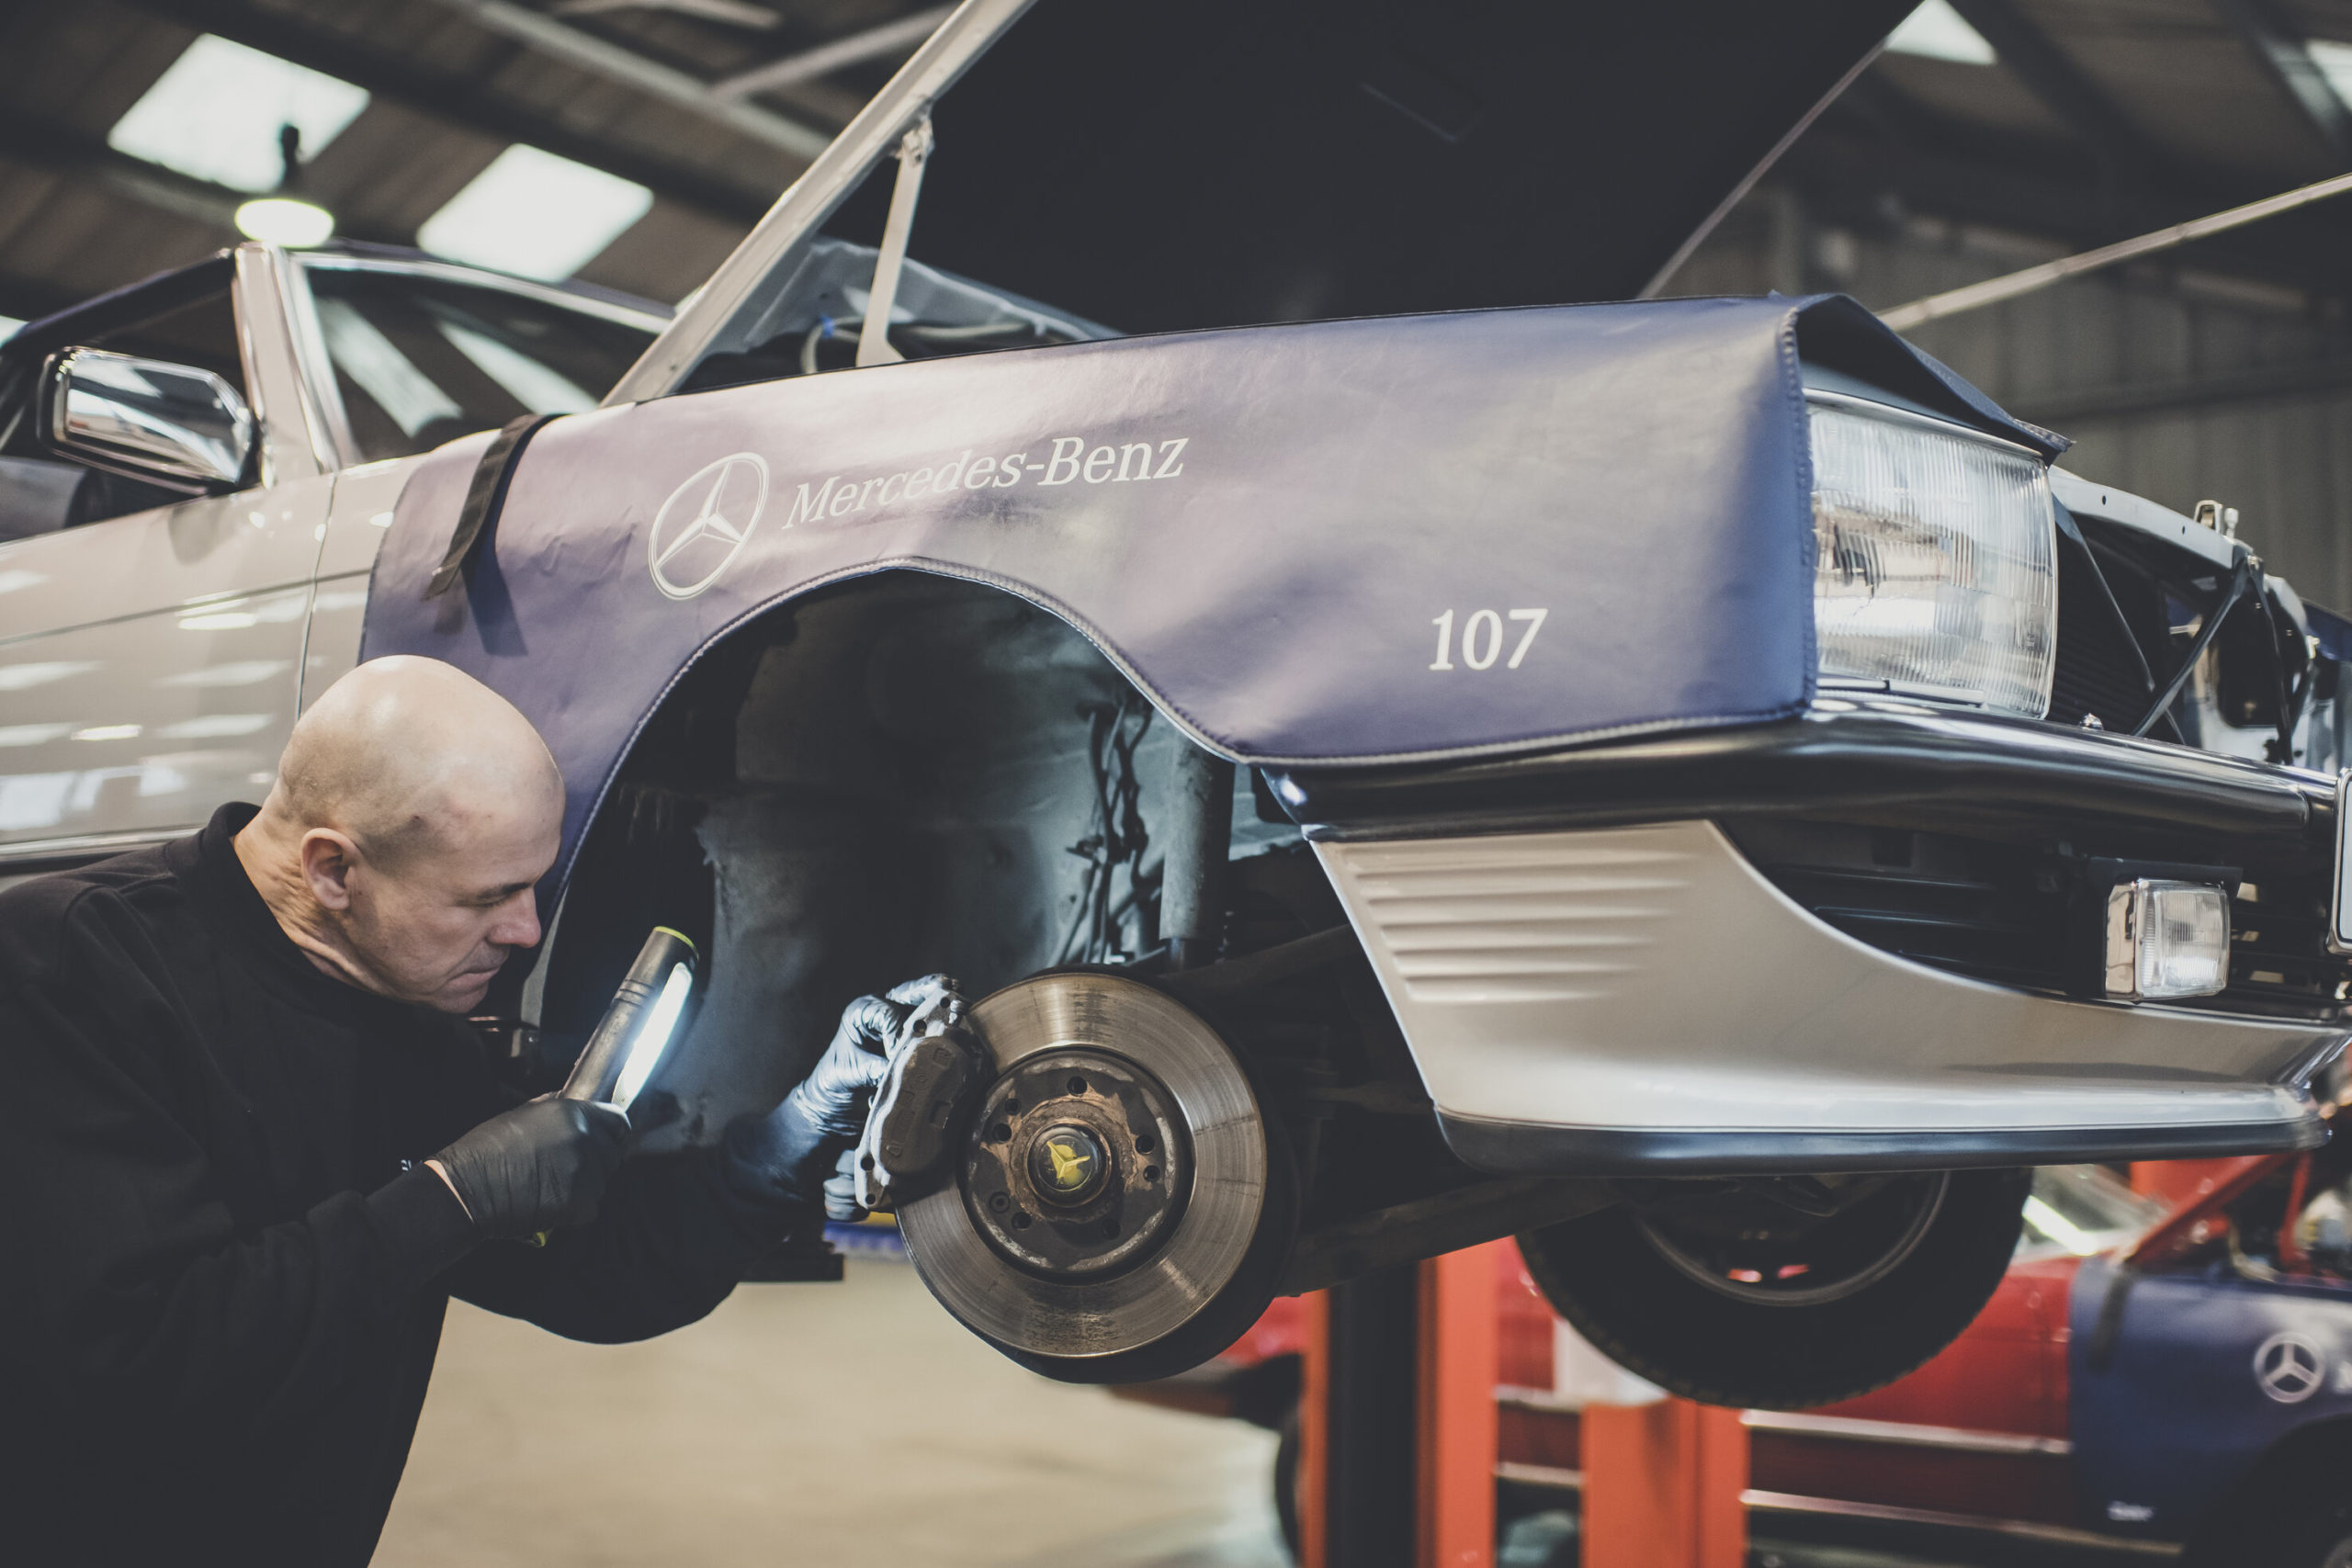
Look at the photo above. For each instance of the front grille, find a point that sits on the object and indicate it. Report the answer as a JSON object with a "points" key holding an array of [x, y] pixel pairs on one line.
{"points": [[2096, 673], [1999, 912]]}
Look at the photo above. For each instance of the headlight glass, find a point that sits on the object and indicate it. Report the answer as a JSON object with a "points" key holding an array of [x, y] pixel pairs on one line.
{"points": [[1937, 564]]}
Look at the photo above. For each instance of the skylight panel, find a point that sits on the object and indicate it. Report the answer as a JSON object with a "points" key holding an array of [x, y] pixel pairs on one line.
{"points": [[2335, 62], [1936, 31], [214, 115], [536, 215]]}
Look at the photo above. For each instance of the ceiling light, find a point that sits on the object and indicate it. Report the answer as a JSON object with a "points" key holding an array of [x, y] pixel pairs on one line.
{"points": [[535, 214], [216, 113], [1938, 32], [285, 220], [2335, 62]]}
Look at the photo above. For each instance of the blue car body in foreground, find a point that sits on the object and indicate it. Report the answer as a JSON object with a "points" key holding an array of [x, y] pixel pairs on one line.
{"points": [[2204, 1375]]}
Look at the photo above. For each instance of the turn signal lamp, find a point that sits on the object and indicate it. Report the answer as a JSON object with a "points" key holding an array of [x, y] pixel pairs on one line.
{"points": [[2166, 939], [1936, 573]]}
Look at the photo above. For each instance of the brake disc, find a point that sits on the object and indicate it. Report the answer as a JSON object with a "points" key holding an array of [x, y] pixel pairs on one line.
{"points": [[1111, 1181]]}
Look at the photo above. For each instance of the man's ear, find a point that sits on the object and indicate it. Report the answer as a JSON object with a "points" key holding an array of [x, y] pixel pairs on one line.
{"points": [[328, 860]]}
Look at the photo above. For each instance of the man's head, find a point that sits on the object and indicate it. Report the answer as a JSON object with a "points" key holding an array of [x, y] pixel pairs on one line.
{"points": [[413, 810]]}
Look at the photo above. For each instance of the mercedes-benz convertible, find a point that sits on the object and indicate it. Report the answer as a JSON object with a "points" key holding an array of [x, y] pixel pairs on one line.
{"points": [[1401, 759]]}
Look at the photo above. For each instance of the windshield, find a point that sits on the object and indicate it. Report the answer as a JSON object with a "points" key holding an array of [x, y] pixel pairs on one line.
{"points": [[423, 355], [816, 310]]}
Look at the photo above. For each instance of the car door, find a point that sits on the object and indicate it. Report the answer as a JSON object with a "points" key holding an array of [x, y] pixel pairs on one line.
{"points": [[151, 658]]}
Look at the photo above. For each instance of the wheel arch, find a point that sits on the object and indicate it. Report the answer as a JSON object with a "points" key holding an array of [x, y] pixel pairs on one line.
{"points": [[2257, 1502], [885, 773]]}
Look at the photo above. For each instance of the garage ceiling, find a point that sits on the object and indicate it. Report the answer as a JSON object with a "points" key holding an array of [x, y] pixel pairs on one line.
{"points": [[2097, 118]]}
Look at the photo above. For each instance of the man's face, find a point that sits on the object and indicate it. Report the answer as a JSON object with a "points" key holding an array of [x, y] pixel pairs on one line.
{"points": [[436, 924]]}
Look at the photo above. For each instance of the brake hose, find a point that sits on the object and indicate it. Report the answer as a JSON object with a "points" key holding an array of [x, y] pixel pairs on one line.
{"points": [[2242, 576], [2282, 749]]}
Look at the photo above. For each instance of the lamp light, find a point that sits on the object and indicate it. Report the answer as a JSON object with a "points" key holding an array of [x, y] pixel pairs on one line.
{"points": [[2166, 939], [636, 1031], [285, 220]]}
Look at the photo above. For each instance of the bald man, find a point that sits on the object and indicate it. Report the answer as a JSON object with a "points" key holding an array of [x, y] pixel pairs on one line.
{"points": [[251, 1148]]}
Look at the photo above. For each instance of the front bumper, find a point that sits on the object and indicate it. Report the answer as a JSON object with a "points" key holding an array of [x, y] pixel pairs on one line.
{"points": [[1600, 981]]}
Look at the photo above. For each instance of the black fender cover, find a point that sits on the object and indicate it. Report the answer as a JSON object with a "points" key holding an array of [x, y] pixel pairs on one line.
{"points": [[1334, 543]]}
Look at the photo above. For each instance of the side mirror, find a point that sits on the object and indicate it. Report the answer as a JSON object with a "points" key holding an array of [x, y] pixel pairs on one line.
{"points": [[169, 424]]}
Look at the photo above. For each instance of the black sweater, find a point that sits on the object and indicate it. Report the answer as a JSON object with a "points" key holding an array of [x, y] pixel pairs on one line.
{"points": [[221, 1287]]}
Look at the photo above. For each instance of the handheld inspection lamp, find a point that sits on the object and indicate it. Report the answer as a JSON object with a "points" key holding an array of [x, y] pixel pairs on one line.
{"points": [[635, 1031]]}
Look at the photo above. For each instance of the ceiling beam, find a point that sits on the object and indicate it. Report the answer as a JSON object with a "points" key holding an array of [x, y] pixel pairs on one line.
{"points": [[734, 13], [2033, 279], [2313, 377], [2063, 88], [600, 57], [453, 98], [2278, 46], [898, 37], [76, 155], [1852, 172]]}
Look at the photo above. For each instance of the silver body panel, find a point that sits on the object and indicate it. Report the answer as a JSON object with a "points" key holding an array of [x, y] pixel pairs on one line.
{"points": [[150, 664], [1650, 980]]}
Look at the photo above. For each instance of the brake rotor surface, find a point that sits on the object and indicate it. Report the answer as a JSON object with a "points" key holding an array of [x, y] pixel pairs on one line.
{"points": [[1112, 1180]]}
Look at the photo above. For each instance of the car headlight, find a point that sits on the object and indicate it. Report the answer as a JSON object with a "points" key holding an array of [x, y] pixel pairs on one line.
{"points": [[1937, 572]]}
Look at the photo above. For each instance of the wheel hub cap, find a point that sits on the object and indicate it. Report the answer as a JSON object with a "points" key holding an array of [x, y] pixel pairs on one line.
{"points": [[1076, 1164], [1066, 1164]]}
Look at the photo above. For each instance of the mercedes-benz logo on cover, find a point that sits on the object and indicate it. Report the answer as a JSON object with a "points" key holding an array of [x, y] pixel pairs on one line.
{"points": [[702, 527], [2288, 1367]]}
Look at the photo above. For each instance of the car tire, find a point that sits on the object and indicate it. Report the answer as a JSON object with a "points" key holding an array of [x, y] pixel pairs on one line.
{"points": [[1627, 1292], [2325, 1541], [1187, 1273]]}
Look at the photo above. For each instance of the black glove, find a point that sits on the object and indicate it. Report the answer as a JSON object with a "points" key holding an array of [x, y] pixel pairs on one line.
{"points": [[798, 1148], [535, 1167]]}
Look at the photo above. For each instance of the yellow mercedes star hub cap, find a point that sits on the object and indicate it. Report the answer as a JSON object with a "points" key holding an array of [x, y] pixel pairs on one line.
{"points": [[1067, 1165]]}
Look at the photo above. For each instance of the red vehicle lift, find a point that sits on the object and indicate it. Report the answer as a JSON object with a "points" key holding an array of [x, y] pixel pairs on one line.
{"points": [[1399, 1434]]}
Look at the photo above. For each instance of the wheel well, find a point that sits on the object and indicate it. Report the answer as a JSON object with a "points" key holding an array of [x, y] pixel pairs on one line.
{"points": [[896, 775], [907, 774], [2307, 1462]]}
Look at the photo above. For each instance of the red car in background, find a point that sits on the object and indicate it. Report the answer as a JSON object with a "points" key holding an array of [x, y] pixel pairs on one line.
{"points": [[2184, 1428]]}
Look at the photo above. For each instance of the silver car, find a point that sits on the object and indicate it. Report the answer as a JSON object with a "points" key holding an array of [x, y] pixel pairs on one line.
{"points": [[1689, 783]]}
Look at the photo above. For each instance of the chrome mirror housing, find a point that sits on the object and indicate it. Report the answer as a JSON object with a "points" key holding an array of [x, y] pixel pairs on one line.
{"points": [[169, 424]]}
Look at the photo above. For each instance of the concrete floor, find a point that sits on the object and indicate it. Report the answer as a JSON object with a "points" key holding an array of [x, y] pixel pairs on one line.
{"points": [[810, 1424]]}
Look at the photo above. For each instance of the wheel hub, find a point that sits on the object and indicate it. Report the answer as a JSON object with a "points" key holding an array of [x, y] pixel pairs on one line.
{"points": [[1774, 1253], [1077, 1165]]}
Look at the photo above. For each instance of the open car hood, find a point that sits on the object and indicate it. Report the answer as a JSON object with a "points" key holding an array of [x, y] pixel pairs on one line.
{"points": [[1160, 164]]}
